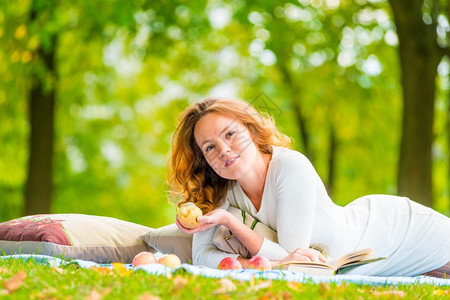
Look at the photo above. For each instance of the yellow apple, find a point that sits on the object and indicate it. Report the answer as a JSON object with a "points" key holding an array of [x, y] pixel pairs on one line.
{"points": [[188, 214], [170, 260]]}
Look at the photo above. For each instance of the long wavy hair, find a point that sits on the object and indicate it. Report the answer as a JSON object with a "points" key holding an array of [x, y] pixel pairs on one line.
{"points": [[189, 175]]}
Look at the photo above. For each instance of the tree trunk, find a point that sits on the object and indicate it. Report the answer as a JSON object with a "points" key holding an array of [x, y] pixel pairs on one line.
{"points": [[331, 160], [41, 113], [300, 119], [448, 147], [419, 57]]}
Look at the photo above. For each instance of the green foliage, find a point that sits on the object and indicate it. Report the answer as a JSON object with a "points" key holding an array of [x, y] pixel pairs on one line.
{"points": [[126, 69], [43, 281]]}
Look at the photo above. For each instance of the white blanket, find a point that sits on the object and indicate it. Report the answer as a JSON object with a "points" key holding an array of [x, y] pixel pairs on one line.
{"points": [[247, 274]]}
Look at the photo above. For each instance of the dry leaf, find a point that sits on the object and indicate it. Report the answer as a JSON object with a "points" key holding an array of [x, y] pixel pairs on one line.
{"points": [[324, 287], [122, 270], [341, 288], [94, 295], [399, 294], [268, 296], [15, 282], [59, 270], [296, 286], [441, 292], [286, 295], [102, 270], [262, 285], [252, 282], [169, 275], [226, 285], [180, 282], [148, 296], [3, 270]]}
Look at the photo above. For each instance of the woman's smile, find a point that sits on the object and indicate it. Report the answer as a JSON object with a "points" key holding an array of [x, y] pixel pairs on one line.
{"points": [[231, 161]]}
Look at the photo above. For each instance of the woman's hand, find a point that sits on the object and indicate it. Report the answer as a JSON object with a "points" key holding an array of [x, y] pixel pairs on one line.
{"points": [[213, 218], [302, 254]]}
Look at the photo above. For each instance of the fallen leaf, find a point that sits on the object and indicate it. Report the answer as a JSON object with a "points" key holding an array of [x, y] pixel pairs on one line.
{"points": [[102, 270], [148, 296], [296, 286], [94, 295], [286, 295], [179, 282], [324, 287], [441, 292], [399, 294], [3, 270], [15, 282], [121, 269], [252, 282], [59, 270], [262, 285], [268, 296], [226, 285], [341, 288], [361, 291]]}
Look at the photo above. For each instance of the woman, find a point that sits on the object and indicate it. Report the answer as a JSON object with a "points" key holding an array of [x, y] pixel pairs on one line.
{"points": [[226, 153]]}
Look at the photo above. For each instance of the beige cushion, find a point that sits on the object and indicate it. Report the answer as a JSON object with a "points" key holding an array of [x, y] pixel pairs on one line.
{"points": [[77, 236], [226, 241], [170, 240]]}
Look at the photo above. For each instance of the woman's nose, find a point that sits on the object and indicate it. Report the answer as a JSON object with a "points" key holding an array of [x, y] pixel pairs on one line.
{"points": [[224, 148]]}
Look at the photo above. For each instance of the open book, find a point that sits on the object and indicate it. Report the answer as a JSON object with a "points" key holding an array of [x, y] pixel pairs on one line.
{"points": [[340, 266]]}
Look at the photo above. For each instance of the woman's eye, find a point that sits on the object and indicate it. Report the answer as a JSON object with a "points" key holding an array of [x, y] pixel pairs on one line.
{"points": [[230, 134], [209, 148]]}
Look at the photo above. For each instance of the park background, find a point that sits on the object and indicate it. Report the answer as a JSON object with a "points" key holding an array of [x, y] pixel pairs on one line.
{"points": [[90, 92]]}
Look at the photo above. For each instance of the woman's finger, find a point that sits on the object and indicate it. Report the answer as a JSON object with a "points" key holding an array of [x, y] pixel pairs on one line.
{"points": [[322, 258], [181, 227], [312, 254], [203, 219]]}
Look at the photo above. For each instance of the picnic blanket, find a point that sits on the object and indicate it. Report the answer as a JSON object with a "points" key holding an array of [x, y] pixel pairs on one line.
{"points": [[246, 274]]}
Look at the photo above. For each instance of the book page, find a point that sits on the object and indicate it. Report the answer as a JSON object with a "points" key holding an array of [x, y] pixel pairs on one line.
{"points": [[350, 266], [311, 269], [351, 257], [309, 264]]}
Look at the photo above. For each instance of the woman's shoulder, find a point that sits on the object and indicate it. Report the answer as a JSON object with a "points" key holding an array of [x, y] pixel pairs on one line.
{"points": [[288, 162], [285, 156]]}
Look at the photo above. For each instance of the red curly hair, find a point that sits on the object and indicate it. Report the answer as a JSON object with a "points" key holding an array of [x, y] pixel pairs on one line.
{"points": [[188, 173]]}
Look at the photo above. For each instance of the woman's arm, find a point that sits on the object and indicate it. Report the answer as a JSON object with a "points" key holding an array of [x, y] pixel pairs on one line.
{"points": [[204, 252], [296, 196]]}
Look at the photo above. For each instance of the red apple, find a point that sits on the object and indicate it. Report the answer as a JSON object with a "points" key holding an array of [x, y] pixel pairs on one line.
{"points": [[229, 263], [170, 260], [260, 263], [143, 258]]}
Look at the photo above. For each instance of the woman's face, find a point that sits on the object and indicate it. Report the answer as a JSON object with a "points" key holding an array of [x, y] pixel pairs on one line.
{"points": [[226, 145]]}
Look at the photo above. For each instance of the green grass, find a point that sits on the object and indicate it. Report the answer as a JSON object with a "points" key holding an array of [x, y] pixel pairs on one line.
{"points": [[71, 282]]}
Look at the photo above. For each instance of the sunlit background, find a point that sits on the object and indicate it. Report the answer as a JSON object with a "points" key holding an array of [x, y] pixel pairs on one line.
{"points": [[328, 71]]}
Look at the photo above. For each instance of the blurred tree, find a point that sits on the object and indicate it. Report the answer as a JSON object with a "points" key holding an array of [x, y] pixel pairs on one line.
{"points": [[41, 111], [126, 69], [420, 54], [325, 62]]}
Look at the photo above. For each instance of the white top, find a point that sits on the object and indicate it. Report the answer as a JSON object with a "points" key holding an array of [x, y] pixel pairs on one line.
{"points": [[295, 203]]}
